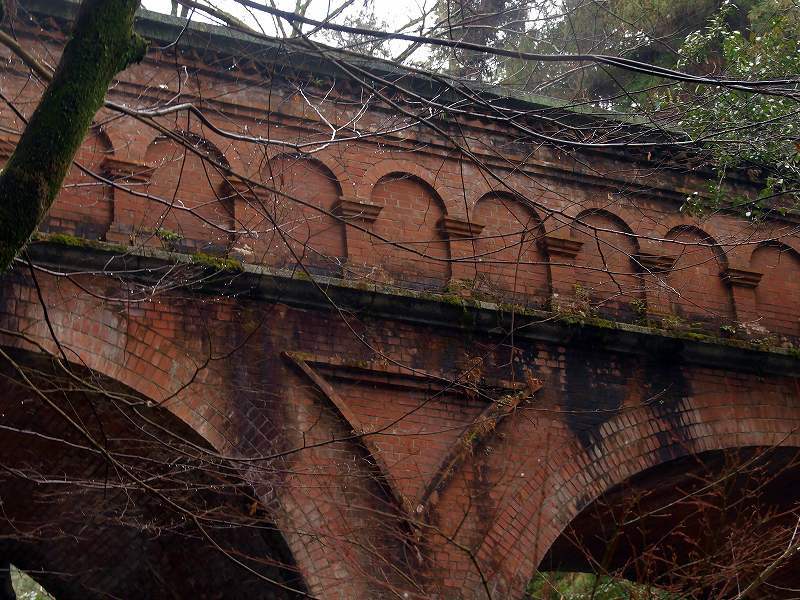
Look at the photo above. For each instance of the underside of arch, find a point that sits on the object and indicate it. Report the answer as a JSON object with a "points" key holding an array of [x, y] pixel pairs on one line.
{"points": [[702, 526], [105, 495]]}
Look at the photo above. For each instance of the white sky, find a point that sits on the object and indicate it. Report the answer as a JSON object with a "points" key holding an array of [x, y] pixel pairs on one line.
{"points": [[395, 12]]}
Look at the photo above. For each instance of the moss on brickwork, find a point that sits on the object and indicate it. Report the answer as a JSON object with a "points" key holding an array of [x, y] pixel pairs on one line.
{"points": [[216, 262], [468, 308], [65, 239]]}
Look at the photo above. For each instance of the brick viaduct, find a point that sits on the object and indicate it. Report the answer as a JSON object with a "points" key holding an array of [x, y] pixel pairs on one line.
{"points": [[491, 356]]}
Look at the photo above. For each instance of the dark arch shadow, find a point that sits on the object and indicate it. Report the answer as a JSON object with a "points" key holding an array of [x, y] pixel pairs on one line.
{"points": [[701, 526], [106, 496]]}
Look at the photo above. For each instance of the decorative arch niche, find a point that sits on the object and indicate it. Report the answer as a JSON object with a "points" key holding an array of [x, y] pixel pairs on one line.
{"points": [[294, 224], [84, 207], [697, 290], [411, 214], [508, 259], [778, 292], [604, 266], [194, 206]]}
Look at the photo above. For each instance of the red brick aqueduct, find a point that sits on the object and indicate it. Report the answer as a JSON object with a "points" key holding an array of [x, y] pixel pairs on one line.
{"points": [[606, 337]]}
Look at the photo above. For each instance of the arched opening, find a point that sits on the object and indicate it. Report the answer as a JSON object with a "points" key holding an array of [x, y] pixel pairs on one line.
{"points": [[410, 217], [697, 290], [105, 495], [84, 207], [701, 526], [193, 213]]}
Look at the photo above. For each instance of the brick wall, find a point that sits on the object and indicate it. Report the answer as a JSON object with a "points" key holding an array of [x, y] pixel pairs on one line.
{"points": [[354, 406]]}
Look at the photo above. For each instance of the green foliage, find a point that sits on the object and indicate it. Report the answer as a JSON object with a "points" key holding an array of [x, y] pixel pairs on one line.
{"points": [[170, 239], [65, 239], [639, 309], [26, 588], [586, 586], [744, 130], [644, 30], [216, 262]]}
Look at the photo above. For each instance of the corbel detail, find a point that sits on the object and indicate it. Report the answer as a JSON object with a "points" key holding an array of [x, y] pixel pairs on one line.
{"points": [[655, 263], [117, 169], [560, 246], [741, 277], [351, 208], [458, 228]]}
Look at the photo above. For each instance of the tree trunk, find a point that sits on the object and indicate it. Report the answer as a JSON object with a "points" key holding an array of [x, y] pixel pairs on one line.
{"points": [[103, 43]]}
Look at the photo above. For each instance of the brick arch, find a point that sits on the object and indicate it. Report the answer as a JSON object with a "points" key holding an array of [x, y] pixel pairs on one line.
{"points": [[412, 215], [329, 160], [572, 475], [84, 206], [383, 168], [119, 143], [129, 146], [136, 348], [778, 292], [314, 161], [605, 268], [87, 537], [325, 158], [295, 224], [509, 259], [698, 291], [182, 180], [480, 187]]}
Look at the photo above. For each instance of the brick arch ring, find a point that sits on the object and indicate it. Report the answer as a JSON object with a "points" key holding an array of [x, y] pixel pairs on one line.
{"points": [[97, 336], [124, 349], [629, 444], [388, 166], [324, 158]]}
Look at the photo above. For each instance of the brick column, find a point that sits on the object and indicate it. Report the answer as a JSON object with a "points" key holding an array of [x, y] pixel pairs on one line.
{"points": [[359, 245], [462, 236], [128, 209], [743, 285], [655, 269], [561, 251]]}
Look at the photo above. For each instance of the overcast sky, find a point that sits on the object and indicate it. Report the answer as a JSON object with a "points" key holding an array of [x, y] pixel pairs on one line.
{"points": [[395, 12]]}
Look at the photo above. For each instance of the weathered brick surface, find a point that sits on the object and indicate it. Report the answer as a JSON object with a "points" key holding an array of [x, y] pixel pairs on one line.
{"points": [[576, 240]]}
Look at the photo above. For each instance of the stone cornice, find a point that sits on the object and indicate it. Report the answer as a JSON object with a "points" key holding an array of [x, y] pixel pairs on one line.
{"points": [[459, 228], [559, 246], [351, 208], [118, 169], [741, 277], [269, 285]]}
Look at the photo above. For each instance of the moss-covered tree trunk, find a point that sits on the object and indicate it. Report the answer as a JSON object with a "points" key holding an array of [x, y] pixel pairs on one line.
{"points": [[103, 43]]}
